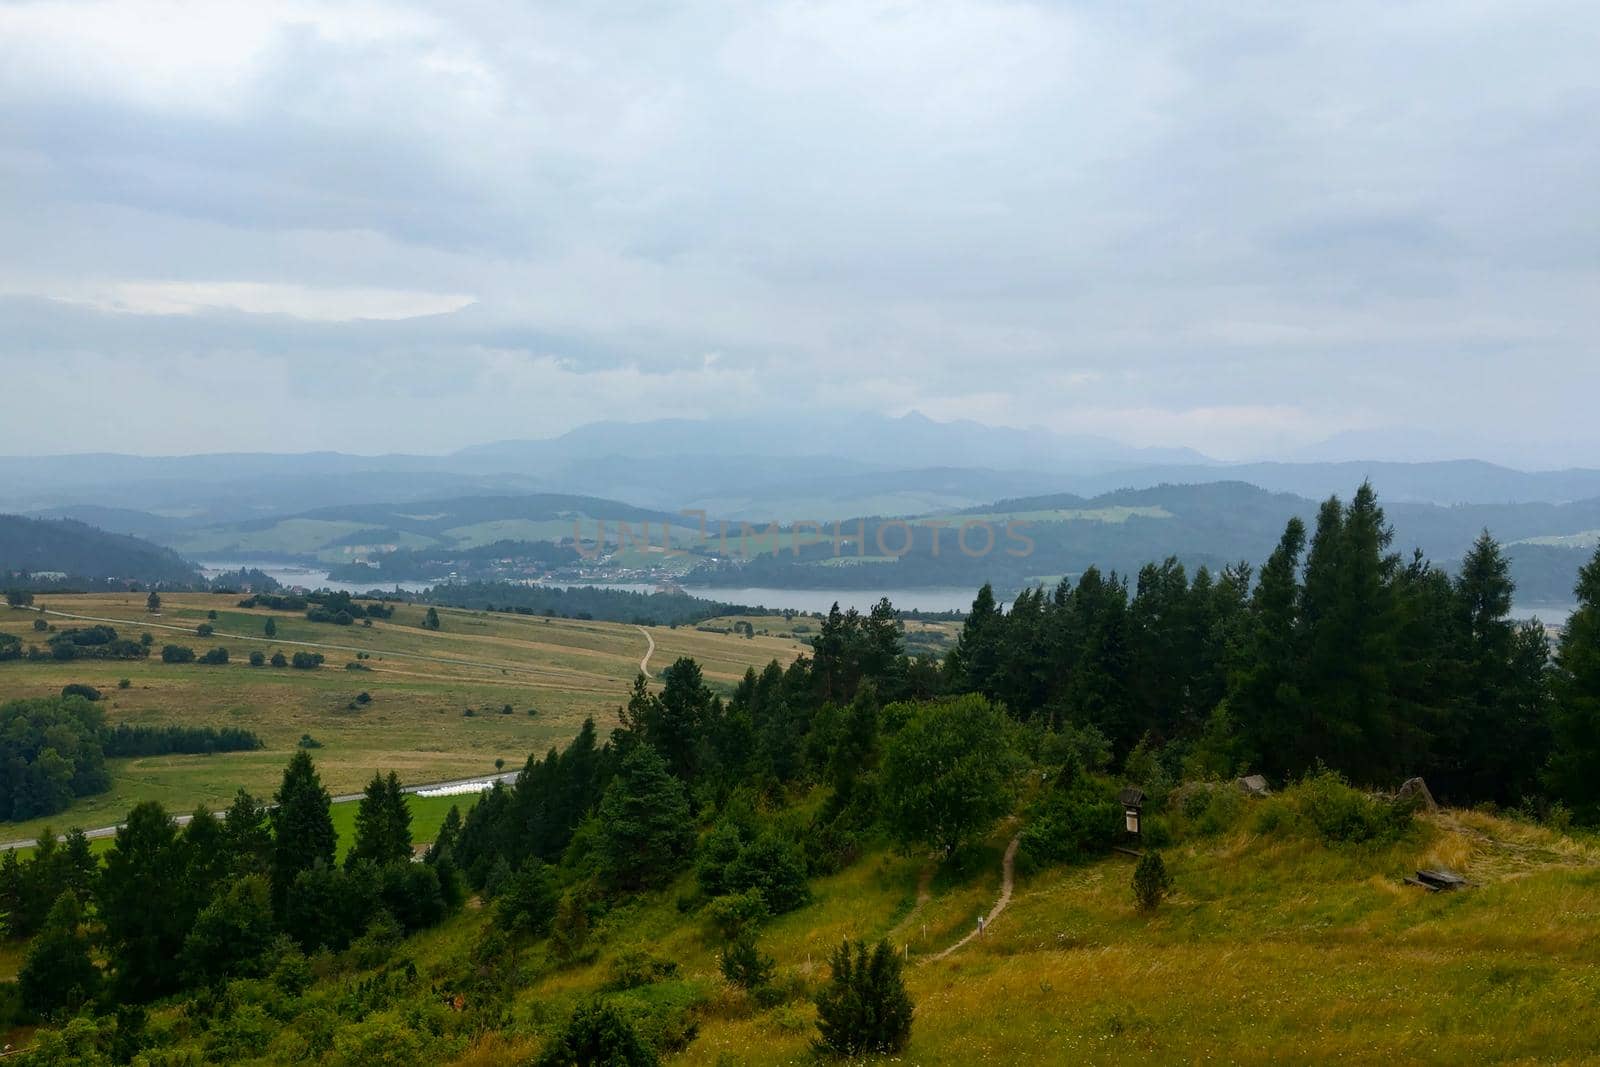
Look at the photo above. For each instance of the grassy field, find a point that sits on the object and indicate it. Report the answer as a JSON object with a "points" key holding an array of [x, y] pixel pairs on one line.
{"points": [[421, 683], [1272, 949]]}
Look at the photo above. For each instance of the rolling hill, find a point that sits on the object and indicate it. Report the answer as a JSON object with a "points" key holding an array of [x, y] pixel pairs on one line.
{"points": [[75, 549]]}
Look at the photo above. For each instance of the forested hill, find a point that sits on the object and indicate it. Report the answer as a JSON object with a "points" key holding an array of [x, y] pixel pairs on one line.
{"points": [[81, 551], [1211, 524]]}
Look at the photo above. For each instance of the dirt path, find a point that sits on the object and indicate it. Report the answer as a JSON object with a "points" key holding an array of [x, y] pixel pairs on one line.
{"points": [[1007, 870], [644, 664]]}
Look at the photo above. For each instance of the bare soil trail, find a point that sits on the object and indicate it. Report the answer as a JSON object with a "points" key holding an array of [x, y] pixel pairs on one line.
{"points": [[1007, 881]]}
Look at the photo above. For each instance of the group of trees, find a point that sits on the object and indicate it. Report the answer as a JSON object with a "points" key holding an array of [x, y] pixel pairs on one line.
{"points": [[53, 750], [50, 753], [217, 898], [1342, 652]]}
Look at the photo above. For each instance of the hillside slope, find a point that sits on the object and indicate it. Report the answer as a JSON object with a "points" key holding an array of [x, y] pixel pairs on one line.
{"points": [[82, 551]]}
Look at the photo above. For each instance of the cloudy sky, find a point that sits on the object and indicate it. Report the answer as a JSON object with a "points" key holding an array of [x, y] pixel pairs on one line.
{"points": [[1244, 228]]}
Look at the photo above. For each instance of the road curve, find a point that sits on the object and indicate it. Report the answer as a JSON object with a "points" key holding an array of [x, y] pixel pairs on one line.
{"points": [[644, 664], [342, 798]]}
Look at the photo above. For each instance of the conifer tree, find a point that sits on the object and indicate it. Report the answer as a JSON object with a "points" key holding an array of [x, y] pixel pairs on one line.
{"points": [[645, 829], [1572, 773], [58, 973], [864, 1008], [302, 827], [383, 824], [145, 903]]}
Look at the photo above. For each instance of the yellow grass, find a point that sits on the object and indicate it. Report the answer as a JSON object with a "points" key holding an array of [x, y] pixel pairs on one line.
{"points": [[420, 682]]}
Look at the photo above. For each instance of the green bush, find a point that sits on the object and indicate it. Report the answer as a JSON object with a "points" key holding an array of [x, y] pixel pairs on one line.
{"points": [[1151, 882], [744, 964], [1344, 815], [737, 912], [598, 1033], [636, 967], [1075, 820], [864, 1008]]}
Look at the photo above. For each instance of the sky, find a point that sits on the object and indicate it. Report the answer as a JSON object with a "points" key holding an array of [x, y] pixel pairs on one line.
{"points": [[1244, 228]]}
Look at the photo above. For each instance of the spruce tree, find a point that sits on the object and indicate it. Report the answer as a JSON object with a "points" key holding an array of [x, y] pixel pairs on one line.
{"points": [[145, 903], [58, 973], [1572, 773], [247, 835], [383, 824], [270, 627], [646, 832], [302, 827], [864, 1008]]}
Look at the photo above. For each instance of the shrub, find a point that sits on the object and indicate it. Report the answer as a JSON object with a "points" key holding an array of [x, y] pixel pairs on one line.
{"points": [[1151, 882], [306, 661], [258, 659], [598, 1033], [527, 900], [124, 683], [40, 626], [205, 629], [864, 1008], [635, 967], [177, 654], [737, 912], [1075, 820], [217, 655], [743, 963], [1342, 814], [363, 697], [279, 660], [78, 689], [307, 741]]}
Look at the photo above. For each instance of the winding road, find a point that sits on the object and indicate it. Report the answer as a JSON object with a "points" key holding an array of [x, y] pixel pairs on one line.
{"points": [[644, 664], [1007, 880]]}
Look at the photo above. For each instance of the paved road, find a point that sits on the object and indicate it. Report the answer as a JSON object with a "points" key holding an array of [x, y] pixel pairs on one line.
{"points": [[342, 798]]}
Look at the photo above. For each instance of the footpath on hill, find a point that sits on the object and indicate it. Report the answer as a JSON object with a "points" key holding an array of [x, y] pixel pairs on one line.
{"points": [[1007, 881]]}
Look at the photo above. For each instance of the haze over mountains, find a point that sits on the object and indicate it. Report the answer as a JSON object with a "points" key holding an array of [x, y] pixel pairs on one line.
{"points": [[738, 468], [1090, 500]]}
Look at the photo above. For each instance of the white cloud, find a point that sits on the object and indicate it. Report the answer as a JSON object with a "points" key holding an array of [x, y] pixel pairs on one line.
{"points": [[314, 304], [1224, 226]]}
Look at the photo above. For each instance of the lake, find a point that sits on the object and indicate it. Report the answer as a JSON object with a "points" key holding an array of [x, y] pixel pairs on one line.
{"points": [[933, 598]]}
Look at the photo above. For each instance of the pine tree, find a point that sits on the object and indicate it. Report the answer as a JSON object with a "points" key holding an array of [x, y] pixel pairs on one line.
{"points": [[58, 973], [744, 964], [430, 621], [152, 603], [1572, 774], [1264, 692], [302, 827], [247, 835], [598, 1034], [864, 1009], [645, 829], [1151, 882], [145, 903], [270, 627], [231, 935], [383, 824]]}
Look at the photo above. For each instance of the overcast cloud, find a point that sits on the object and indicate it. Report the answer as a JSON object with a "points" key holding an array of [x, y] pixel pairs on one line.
{"points": [[1238, 227]]}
